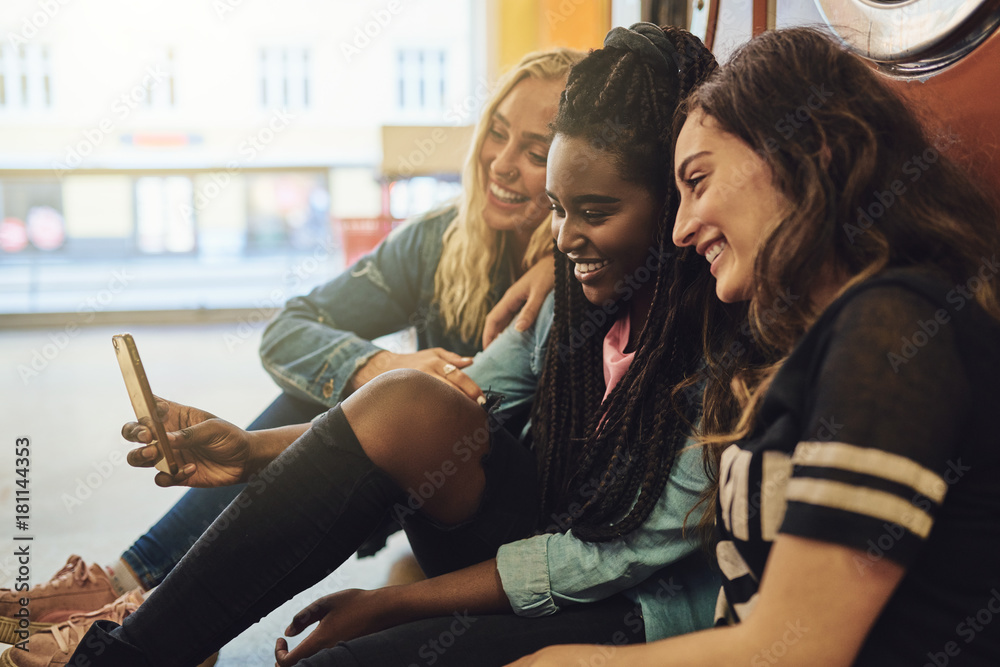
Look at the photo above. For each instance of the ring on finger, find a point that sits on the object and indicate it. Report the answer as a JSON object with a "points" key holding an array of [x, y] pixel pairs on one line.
{"points": [[449, 368]]}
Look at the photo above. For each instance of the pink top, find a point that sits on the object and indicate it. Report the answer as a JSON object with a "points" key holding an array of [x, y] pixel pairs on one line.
{"points": [[616, 360]]}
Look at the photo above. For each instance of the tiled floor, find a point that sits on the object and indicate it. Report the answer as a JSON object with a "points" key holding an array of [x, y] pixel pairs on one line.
{"points": [[63, 390]]}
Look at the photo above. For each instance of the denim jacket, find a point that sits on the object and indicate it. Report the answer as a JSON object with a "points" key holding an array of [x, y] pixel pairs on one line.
{"points": [[658, 565], [318, 341], [512, 365]]}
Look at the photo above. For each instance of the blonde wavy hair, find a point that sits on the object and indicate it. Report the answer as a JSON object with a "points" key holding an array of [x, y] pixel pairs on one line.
{"points": [[472, 252]]}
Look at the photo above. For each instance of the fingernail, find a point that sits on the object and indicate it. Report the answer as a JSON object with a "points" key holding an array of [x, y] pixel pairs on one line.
{"points": [[189, 468], [149, 452], [481, 400], [469, 359], [520, 326]]}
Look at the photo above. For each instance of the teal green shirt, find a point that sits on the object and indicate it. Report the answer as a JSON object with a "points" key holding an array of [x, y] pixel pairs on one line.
{"points": [[659, 565]]}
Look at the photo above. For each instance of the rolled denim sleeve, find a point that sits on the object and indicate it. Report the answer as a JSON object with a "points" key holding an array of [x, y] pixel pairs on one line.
{"points": [[512, 364], [318, 341], [544, 573]]}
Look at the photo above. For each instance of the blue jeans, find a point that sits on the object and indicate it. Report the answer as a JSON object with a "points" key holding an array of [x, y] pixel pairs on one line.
{"points": [[155, 554]]}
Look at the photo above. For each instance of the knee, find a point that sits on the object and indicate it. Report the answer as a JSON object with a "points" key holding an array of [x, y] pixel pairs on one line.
{"points": [[405, 417], [404, 384], [407, 395]]}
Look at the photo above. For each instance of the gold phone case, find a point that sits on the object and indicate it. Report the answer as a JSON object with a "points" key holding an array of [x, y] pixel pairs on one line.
{"points": [[143, 403]]}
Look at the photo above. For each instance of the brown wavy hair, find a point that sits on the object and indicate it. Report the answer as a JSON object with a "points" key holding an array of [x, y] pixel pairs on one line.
{"points": [[837, 141]]}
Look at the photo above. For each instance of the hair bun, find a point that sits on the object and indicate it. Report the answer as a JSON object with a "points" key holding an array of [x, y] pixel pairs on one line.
{"points": [[651, 44]]}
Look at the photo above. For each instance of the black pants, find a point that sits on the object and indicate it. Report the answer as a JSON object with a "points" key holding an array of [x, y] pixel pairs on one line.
{"points": [[155, 553], [288, 530], [462, 640]]}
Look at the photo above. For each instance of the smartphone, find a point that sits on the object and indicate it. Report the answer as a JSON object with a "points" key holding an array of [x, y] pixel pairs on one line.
{"points": [[139, 393]]}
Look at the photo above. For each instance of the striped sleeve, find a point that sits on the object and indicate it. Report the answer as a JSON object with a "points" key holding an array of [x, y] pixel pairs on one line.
{"points": [[874, 501], [882, 444]]}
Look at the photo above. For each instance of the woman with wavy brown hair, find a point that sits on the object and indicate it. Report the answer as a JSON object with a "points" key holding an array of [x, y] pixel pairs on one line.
{"points": [[857, 512]]}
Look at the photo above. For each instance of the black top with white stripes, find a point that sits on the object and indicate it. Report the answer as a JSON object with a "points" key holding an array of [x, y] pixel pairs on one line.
{"points": [[880, 433]]}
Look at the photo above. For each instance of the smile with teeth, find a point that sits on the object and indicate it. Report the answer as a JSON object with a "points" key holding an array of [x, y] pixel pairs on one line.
{"points": [[714, 251], [590, 267], [505, 195]]}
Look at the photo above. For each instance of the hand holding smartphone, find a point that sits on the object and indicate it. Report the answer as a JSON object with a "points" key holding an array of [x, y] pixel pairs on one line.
{"points": [[143, 403]]}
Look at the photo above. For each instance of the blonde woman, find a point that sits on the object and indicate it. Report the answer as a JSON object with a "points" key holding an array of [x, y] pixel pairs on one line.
{"points": [[440, 273]]}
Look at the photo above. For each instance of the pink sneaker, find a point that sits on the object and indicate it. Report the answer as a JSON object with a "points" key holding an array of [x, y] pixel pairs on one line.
{"points": [[76, 588], [54, 645]]}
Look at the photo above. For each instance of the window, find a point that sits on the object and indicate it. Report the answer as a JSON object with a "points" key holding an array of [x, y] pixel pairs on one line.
{"points": [[162, 224], [421, 81], [161, 93], [31, 215], [287, 210], [284, 78], [25, 77], [422, 193]]}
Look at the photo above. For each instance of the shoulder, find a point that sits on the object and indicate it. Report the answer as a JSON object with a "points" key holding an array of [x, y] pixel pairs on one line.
{"points": [[892, 333], [887, 308], [892, 294], [417, 241]]}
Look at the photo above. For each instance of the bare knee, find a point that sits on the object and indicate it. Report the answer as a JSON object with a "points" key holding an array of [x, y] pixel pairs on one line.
{"points": [[406, 418], [413, 427], [402, 387]]}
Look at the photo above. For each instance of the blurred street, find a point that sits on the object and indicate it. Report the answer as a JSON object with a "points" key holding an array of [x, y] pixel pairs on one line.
{"points": [[88, 288]]}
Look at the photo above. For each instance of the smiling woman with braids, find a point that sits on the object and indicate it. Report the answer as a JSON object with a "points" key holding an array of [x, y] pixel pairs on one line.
{"points": [[629, 446], [583, 539]]}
